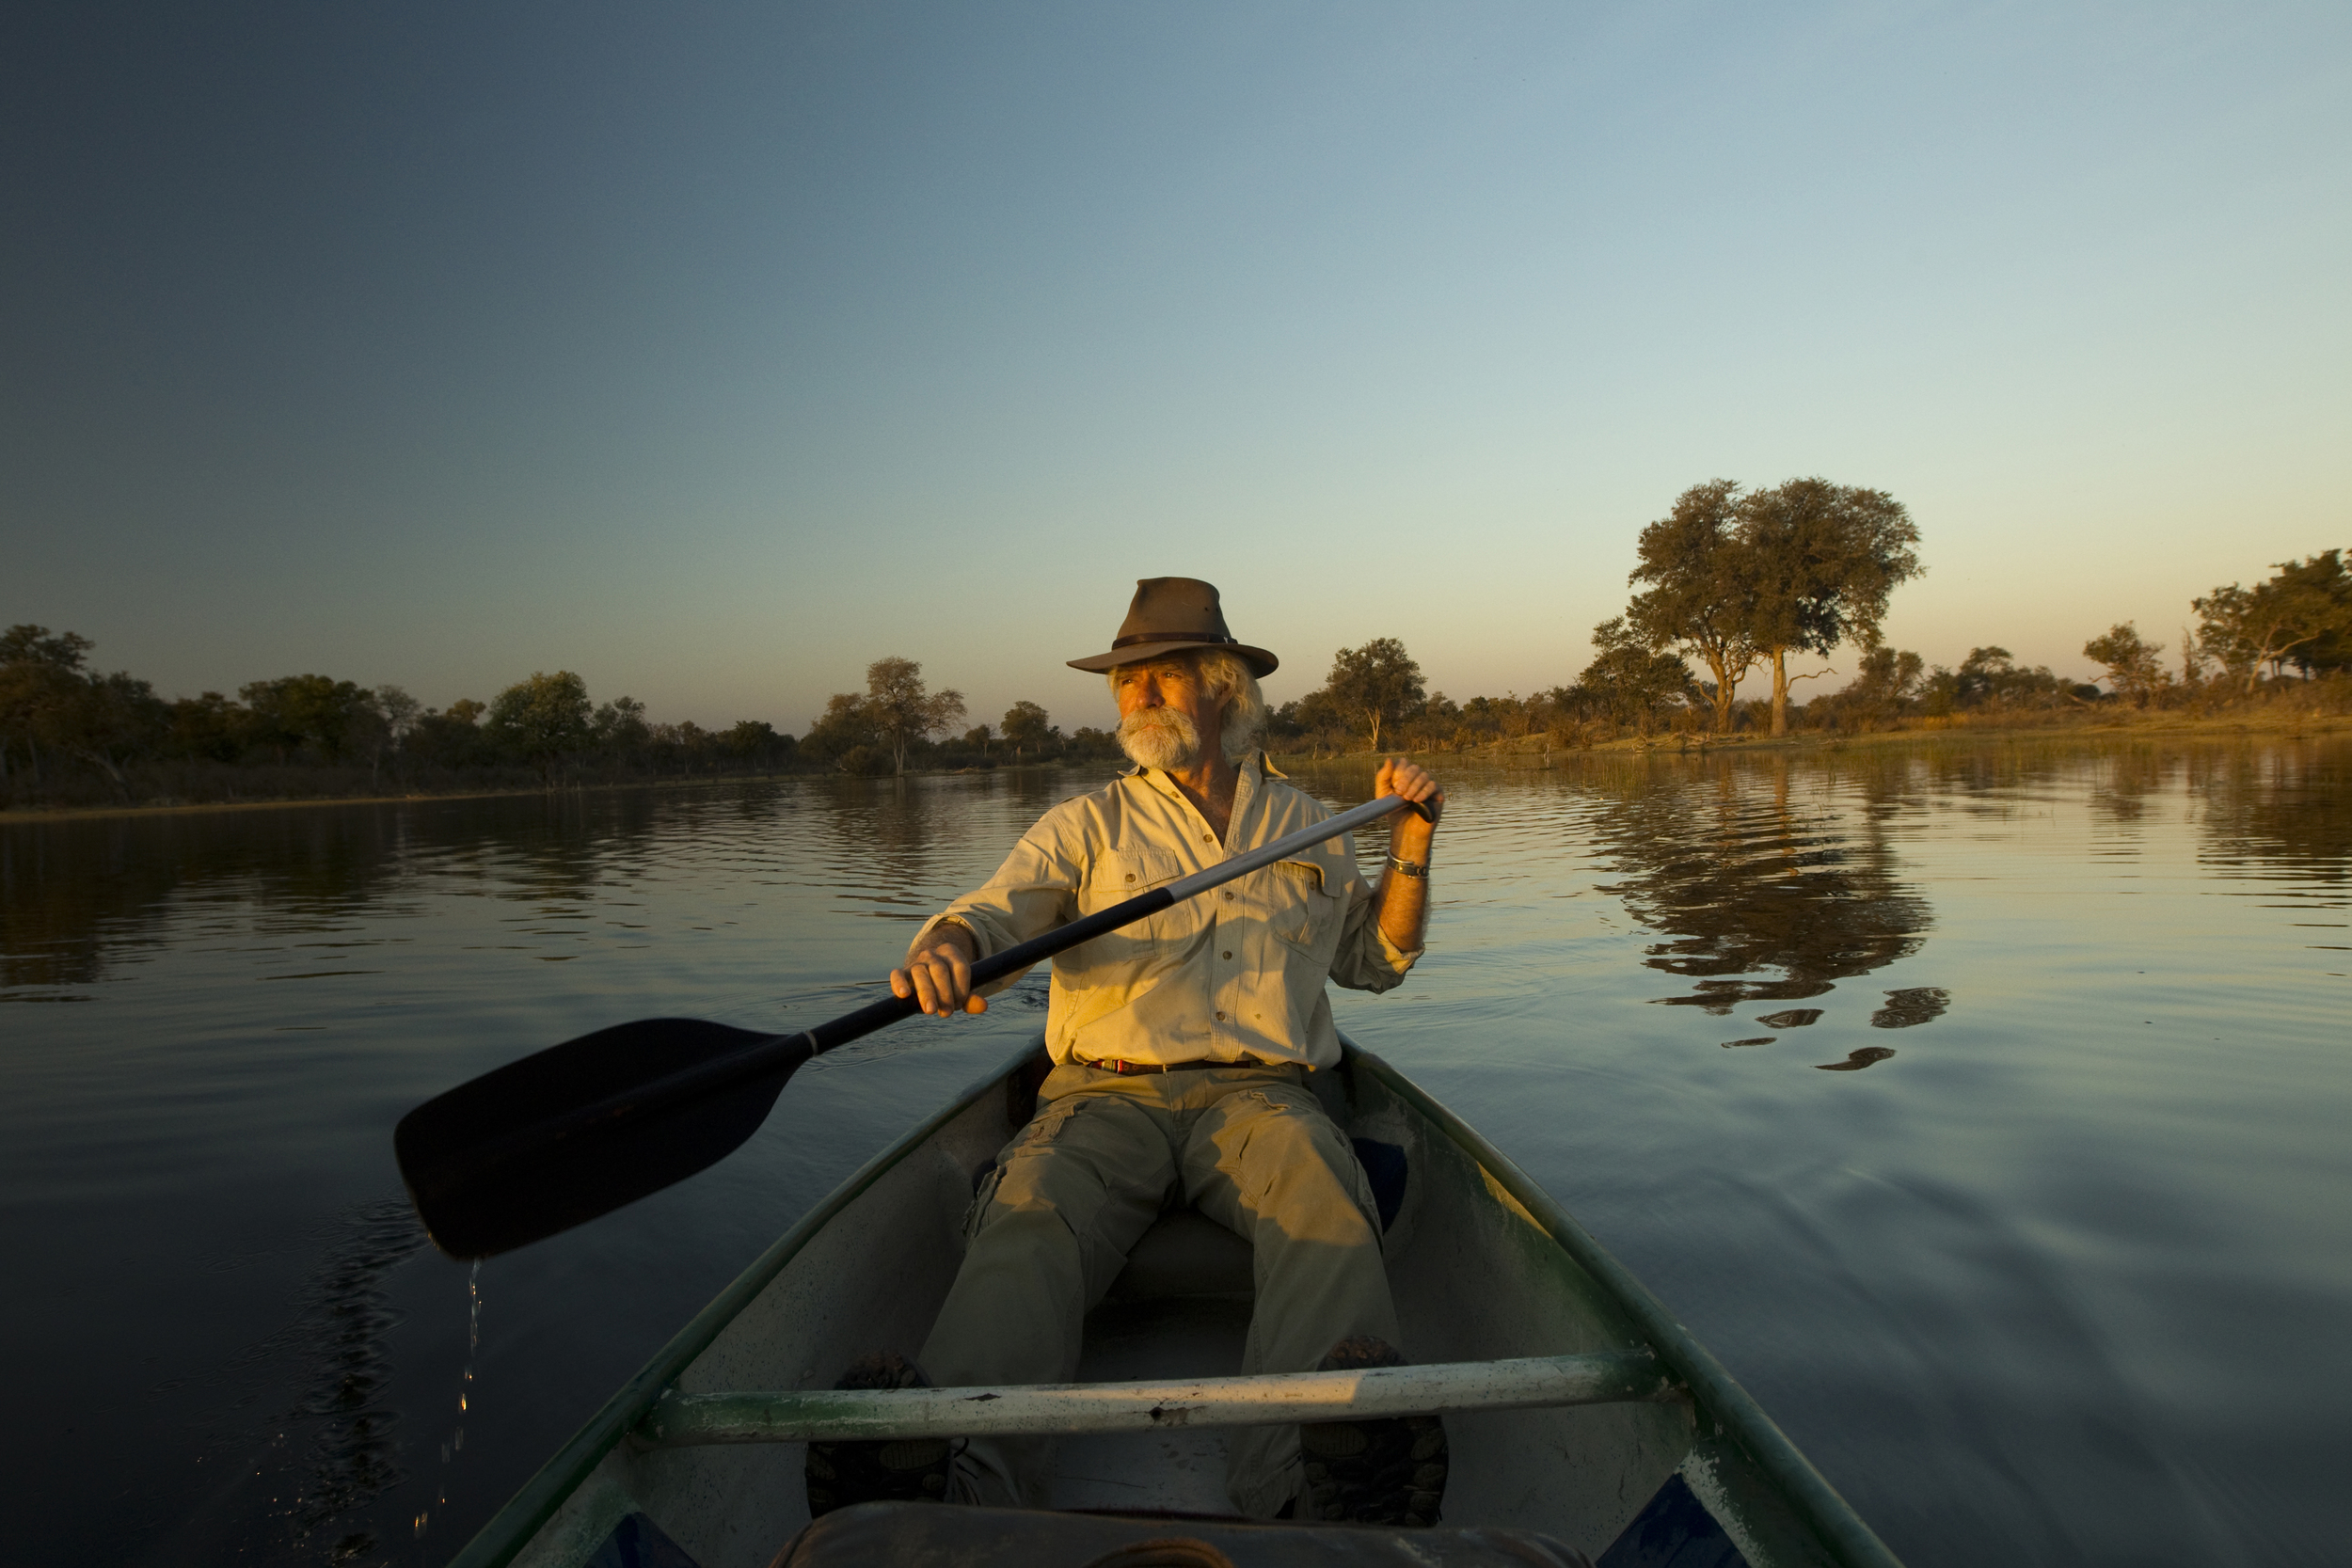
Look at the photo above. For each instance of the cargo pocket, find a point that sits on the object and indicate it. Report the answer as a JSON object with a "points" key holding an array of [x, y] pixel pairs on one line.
{"points": [[1041, 1131], [982, 1196]]}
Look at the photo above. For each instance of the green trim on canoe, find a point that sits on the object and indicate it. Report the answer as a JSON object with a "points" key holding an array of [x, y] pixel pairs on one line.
{"points": [[513, 1526], [1826, 1513]]}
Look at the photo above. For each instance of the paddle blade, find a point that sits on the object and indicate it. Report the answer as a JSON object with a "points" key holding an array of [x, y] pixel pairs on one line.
{"points": [[583, 1128]]}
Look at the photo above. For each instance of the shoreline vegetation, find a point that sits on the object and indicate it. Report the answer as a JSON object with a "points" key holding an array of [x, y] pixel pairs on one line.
{"points": [[2274, 722], [1733, 583]]}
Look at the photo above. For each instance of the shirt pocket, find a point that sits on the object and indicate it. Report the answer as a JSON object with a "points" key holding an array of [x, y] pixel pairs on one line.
{"points": [[1304, 905], [1116, 877], [1121, 873]]}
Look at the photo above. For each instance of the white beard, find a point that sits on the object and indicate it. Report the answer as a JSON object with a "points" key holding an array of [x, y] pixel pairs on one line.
{"points": [[1159, 737]]}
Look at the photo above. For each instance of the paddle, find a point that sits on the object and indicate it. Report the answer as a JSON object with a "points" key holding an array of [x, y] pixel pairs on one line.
{"points": [[581, 1129]]}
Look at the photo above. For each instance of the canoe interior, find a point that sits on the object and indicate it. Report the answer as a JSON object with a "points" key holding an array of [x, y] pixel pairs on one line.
{"points": [[1476, 1276]]}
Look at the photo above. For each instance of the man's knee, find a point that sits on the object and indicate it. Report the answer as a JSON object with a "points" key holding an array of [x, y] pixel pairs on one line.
{"points": [[1283, 1151]]}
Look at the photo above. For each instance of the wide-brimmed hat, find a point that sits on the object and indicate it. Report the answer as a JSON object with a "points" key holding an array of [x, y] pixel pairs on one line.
{"points": [[1174, 615]]}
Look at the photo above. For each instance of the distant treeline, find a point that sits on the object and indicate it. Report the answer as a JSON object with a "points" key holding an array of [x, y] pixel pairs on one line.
{"points": [[1725, 573], [71, 735], [1734, 580]]}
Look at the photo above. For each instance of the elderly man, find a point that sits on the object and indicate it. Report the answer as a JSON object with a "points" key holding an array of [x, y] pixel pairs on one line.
{"points": [[1182, 1047]]}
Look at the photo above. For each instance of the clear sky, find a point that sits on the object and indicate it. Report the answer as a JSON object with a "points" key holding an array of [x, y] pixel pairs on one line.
{"points": [[715, 351]]}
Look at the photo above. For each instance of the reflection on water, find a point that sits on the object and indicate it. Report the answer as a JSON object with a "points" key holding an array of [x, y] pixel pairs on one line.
{"points": [[1859, 1059], [78, 896], [1759, 900], [1913, 1005], [2012, 1287]]}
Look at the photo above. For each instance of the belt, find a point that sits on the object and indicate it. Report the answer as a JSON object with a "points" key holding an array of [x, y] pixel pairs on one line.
{"points": [[1113, 1064]]}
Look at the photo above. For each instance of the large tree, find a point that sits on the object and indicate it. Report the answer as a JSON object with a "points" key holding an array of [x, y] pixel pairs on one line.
{"points": [[40, 682], [903, 711], [330, 718], [114, 719], [1628, 681], [2132, 663], [543, 719], [1376, 684], [2303, 612], [1028, 729], [1822, 560], [1702, 596], [846, 724]]}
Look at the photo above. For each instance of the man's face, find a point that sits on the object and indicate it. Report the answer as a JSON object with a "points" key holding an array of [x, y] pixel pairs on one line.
{"points": [[1167, 718]]}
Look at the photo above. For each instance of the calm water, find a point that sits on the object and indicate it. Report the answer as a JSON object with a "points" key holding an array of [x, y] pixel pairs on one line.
{"points": [[1984, 1110]]}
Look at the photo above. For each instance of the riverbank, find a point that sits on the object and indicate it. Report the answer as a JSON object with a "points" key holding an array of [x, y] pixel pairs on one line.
{"points": [[377, 797], [306, 788], [2275, 721], [1540, 749]]}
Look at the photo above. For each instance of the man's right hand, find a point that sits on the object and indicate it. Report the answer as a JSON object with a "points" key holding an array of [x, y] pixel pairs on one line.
{"points": [[939, 976]]}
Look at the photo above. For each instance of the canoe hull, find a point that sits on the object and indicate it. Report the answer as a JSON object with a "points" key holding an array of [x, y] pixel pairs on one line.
{"points": [[1482, 1265]]}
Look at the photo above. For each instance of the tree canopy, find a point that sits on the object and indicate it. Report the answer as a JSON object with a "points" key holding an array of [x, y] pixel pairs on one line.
{"points": [[1735, 580], [1629, 682], [544, 718], [1027, 729], [903, 711], [2130, 662], [1824, 559], [1375, 685], [2302, 614], [1703, 590]]}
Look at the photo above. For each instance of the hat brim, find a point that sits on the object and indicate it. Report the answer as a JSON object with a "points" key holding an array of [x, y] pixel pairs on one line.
{"points": [[1262, 663]]}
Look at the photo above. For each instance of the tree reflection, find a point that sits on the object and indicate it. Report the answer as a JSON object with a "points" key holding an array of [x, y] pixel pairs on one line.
{"points": [[75, 891], [2279, 811], [1757, 900], [79, 893]]}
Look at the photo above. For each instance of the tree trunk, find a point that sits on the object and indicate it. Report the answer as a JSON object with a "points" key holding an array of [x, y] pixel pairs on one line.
{"points": [[1376, 731], [1724, 691], [1780, 692]]}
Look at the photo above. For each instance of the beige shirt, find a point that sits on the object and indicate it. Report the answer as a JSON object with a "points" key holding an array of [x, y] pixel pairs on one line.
{"points": [[1237, 970]]}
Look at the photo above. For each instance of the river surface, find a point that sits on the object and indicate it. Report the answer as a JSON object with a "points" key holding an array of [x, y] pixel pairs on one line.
{"points": [[1985, 1110]]}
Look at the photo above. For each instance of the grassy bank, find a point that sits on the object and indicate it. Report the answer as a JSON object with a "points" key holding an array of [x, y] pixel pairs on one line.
{"points": [[2271, 720]]}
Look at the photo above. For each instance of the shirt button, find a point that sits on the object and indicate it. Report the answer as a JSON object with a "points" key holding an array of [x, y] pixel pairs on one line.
{"points": [[1220, 1018], [1229, 897], [1229, 953]]}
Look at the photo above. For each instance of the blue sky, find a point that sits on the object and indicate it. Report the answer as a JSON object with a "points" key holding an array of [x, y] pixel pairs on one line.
{"points": [[715, 351]]}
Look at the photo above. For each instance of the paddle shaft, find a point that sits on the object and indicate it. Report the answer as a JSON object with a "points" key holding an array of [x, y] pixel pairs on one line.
{"points": [[761, 1058]]}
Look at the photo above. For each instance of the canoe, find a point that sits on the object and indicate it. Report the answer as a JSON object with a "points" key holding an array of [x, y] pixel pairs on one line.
{"points": [[1576, 1406]]}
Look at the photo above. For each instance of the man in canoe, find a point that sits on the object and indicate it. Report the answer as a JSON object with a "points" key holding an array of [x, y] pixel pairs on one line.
{"points": [[1182, 1047]]}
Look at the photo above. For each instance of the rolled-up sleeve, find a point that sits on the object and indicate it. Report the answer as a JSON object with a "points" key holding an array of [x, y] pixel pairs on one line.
{"points": [[1367, 959], [1033, 892]]}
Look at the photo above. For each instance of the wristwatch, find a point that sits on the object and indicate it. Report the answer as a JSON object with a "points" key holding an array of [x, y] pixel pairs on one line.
{"points": [[1409, 868]]}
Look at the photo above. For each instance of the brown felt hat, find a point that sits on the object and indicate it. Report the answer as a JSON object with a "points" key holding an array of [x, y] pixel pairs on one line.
{"points": [[1173, 615]]}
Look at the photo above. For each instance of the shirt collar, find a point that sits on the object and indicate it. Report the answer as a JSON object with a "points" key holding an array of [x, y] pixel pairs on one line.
{"points": [[1253, 771]]}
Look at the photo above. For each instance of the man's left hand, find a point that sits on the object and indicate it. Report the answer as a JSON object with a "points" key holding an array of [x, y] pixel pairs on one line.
{"points": [[1408, 835]]}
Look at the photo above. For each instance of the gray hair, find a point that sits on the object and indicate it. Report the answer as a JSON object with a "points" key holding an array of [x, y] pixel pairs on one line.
{"points": [[1224, 676]]}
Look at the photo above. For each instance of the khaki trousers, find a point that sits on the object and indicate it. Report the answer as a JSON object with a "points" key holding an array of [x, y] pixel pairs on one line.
{"points": [[1053, 1224]]}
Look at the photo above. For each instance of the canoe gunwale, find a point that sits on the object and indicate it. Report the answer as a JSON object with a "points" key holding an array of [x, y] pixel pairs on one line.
{"points": [[1717, 1396], [513, 1528]]}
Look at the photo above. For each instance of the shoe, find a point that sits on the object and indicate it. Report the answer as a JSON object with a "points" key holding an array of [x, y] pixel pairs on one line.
{"points": [[1377, 1472], [867, 1471]]}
